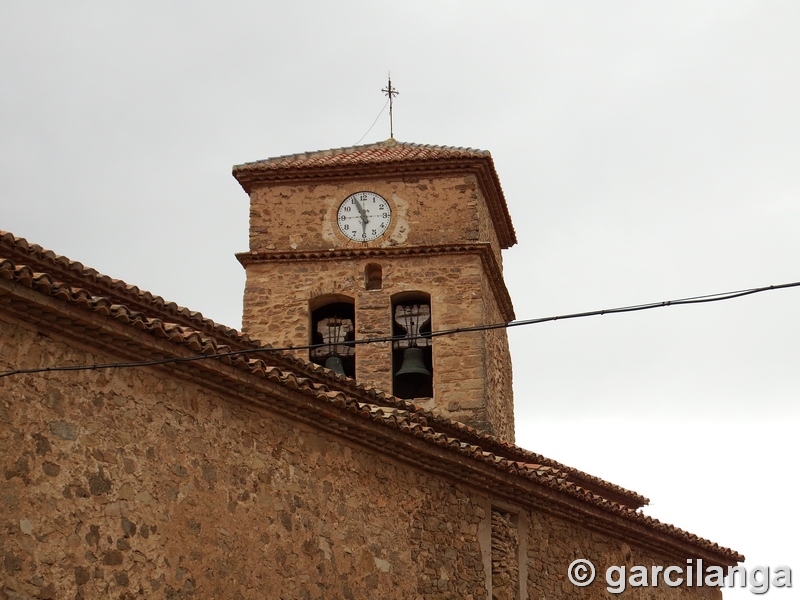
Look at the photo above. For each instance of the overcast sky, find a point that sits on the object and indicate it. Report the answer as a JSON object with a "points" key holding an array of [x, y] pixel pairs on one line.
{"points": [[648, 151]]}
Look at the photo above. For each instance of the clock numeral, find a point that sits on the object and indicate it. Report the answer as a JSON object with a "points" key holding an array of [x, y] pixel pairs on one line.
{"points": [[342, 218], [374, 232], [345, 226]]}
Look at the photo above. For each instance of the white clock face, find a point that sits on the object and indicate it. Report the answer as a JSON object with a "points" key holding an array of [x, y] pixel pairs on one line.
{"points": [[364, 216]]}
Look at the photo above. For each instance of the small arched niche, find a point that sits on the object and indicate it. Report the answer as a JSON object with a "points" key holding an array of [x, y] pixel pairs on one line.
{"points": [[373, 276], [412, 350], [333, 323]]}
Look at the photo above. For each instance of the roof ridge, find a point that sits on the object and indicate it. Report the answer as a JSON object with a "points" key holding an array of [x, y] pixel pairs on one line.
{"points": [[99, 284]]}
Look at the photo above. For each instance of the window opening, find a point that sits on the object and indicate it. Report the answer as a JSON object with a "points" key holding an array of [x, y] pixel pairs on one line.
{"points": [[333, 324], [412, 355]]}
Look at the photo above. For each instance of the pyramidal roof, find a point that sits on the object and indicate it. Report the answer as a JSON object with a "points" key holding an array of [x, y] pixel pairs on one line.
{"points": [[382, 159], [388, 151]]}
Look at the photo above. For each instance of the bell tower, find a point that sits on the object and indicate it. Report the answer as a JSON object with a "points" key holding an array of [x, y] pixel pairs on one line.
{"points": [[387, 240]]}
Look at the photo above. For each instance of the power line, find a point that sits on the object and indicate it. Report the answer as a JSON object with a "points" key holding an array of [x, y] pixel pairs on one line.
{"points": [[373, 123], [443, 332]]}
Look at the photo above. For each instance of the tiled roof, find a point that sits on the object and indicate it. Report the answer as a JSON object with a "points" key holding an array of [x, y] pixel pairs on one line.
{"points": [[57, 272], [368, 403], [491, 443], [389, 151], [73, 273], [385, 159]]}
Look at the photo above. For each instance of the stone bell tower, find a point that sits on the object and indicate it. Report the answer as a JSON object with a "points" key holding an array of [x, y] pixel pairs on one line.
{"points": [[387, 240]]}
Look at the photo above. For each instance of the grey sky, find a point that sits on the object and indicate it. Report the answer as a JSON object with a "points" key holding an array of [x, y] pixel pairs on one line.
{"points": [[648, 151]]}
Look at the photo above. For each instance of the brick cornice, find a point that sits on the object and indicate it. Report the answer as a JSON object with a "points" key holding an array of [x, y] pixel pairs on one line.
{"points": [[491, 267]]}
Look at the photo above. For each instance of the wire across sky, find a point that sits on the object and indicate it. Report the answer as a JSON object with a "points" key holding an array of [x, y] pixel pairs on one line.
{"points": [[443, 332]]}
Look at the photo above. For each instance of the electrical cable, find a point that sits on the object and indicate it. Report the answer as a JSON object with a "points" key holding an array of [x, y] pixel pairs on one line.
{"points": [[509, 324], [373, 123]]}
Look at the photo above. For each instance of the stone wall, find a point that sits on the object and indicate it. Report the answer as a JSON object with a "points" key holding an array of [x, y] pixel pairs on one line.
{"points": [[553, 544], [143, 482], [441, 210], [469, 373], [118, 484], [499, 373], [505, 557]]}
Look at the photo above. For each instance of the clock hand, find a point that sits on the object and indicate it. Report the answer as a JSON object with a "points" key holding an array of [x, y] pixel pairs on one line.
{"points": [[362, 212]]}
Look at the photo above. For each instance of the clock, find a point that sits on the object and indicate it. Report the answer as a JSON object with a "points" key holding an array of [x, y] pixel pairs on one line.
{"points": [[364, 216]]}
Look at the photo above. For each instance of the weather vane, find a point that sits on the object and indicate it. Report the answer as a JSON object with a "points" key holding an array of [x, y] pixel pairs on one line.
{"points": [[391, 92]]}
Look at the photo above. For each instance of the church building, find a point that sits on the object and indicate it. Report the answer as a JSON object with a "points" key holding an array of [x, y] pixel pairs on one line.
{"points": [[355, 440]]}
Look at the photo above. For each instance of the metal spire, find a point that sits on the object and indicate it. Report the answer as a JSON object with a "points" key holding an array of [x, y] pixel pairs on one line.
{"points": [[391, 92]]}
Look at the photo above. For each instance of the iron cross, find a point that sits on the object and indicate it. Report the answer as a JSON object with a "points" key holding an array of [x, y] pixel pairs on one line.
{"points": [[391, 92]]}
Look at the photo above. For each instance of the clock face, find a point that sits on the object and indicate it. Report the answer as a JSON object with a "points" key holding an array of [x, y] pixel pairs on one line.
{"points": [[364, 216]]}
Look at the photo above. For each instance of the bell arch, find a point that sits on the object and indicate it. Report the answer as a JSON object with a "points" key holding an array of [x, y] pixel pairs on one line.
{"points": [[332, 330], [412, 348]]}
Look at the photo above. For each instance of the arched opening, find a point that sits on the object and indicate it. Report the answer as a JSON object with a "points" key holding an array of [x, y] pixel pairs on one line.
{"points": [[373, 276], [333, 323], [412, 356]]}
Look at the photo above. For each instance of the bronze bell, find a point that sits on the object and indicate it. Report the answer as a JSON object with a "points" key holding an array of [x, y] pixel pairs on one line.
{"points": [[413, 368], [334, 363]]}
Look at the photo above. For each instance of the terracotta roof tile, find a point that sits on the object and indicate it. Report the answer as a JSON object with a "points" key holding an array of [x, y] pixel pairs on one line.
{"points": [[74, 273], [512, 451], [388, 151]]}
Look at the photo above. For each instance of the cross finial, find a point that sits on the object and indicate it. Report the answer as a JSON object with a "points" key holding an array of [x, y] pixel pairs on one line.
{"points": [[391, 92]]}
